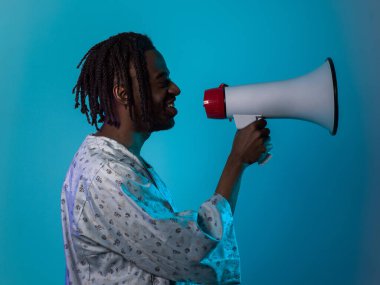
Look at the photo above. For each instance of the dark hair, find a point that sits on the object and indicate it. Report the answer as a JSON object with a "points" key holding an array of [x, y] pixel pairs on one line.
{"points": [[106, 62]]}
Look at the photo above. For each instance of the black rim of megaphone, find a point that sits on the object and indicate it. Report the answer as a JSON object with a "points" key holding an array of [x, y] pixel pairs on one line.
{"points": [[336, 109]]}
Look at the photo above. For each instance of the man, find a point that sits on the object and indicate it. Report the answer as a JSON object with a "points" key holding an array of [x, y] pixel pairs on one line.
{"points": [[120, 225]]}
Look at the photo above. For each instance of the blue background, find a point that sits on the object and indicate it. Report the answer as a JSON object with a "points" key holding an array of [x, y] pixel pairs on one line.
{"points": [[309, 216]]}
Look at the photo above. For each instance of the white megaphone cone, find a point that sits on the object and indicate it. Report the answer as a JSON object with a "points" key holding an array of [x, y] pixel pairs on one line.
{"points": [[312, 97]]}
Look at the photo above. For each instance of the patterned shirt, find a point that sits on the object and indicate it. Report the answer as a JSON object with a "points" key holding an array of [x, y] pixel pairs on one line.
{"points": [[120, 225]]}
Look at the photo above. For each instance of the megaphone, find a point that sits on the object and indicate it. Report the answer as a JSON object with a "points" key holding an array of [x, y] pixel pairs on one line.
{"points": [[312, 97]]}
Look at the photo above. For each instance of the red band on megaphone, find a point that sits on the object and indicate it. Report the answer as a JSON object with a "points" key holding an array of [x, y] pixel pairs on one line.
{"points": [[214, 102]]}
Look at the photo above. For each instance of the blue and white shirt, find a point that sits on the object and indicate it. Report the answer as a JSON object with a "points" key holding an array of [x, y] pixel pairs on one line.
{"points": [[120, 227]]}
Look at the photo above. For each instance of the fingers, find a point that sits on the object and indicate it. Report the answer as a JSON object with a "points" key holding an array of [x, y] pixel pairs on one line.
{"points": [[265, 147], [264, 139], [268, 145], [261, 145], [260, 124], [265, 133], [256, 125], [262, 134]]}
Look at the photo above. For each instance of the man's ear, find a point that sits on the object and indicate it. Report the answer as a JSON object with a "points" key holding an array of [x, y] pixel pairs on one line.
{"points": [[120, 94]]}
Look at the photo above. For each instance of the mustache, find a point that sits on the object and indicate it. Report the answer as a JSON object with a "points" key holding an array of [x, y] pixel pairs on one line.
{"points": [[170, 99]]}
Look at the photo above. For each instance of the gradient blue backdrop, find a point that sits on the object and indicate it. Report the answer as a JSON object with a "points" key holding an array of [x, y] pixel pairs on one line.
{"points": [[309, 216]]}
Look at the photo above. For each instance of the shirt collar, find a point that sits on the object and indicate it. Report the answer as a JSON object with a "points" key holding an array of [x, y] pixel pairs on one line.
{"points": [[112, 145]]}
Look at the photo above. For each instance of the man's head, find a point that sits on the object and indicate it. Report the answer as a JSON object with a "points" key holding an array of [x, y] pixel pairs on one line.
{"points": [[126, 76]]}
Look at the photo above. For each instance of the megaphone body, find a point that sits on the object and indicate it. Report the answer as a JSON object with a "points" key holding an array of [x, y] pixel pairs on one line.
{"points": [[312, 97]]}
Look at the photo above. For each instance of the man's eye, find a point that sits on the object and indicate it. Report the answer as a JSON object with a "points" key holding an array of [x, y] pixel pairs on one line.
{"points": [[165, 83]]}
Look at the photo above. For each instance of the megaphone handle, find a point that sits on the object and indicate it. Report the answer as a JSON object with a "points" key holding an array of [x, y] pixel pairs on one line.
{"points": [[242, 121]]}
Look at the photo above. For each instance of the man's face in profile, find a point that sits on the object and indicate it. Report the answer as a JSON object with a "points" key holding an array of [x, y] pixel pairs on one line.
{"points": [[163, 90]]}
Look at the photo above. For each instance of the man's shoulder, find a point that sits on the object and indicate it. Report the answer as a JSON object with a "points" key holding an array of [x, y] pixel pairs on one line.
{"points": [[95, 163], [105, 168], [103, 155]]}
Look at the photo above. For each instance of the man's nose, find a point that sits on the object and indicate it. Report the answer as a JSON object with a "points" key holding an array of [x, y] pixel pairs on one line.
{"points": [[174, 89]]}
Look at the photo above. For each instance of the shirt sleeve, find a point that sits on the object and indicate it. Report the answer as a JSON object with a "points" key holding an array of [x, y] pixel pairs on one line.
{"points": [[126, 214]]}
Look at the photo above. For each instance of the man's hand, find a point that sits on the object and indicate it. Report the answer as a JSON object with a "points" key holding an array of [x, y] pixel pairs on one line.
{"points": [[249, 142]]}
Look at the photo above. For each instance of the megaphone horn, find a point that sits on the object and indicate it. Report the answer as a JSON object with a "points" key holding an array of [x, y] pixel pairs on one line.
{"points": [[312, 97]]}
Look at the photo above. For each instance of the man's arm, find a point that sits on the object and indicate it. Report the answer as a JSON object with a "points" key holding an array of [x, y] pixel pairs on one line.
{"points": [[229, 183], [247, 147]]}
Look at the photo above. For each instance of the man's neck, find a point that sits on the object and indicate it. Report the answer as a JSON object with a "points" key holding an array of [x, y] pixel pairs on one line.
{"points": [[126, 136]]}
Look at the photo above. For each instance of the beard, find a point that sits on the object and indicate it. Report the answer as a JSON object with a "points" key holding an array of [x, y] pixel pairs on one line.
{"points": [[158, 120], [162, 122]]}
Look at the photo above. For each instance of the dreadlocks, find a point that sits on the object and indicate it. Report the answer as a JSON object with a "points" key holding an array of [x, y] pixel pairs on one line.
{"points": [[108, 63]]}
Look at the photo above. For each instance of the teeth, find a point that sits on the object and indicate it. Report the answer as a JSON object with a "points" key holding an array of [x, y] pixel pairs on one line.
{"points": [[171, 105]]}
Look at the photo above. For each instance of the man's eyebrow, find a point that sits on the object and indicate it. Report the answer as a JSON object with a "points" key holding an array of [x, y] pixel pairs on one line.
{"points": [[162, 74]]}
